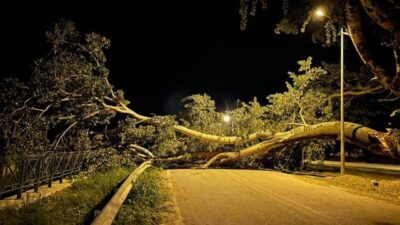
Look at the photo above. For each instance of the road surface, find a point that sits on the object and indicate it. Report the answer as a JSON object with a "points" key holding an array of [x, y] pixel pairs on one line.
{"points": [[251, 197]]}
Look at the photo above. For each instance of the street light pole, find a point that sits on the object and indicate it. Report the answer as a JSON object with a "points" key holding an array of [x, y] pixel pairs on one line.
{"points": [[342, 152], [320, 13]]}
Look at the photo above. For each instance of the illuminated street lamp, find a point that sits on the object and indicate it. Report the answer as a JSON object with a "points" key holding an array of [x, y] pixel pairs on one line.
{"points": [[227, 118], [319, 13]]}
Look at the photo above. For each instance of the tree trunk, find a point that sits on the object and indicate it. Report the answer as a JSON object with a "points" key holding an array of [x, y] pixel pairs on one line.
{"points": [[378, 14], [360, 43], [380, 143], [385, 144]]}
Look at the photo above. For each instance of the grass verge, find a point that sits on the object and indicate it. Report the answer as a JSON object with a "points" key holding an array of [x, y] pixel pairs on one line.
{"points": [[362, 183], [146, 202], [73, 205]]}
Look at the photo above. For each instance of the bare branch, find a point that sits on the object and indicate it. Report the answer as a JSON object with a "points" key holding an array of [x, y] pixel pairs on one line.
{"points": [[143, 150], [357, 91], [301, 113]]}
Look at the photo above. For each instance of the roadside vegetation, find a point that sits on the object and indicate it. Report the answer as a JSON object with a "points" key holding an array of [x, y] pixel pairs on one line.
{"points": [[74, 205], [146, 202]]}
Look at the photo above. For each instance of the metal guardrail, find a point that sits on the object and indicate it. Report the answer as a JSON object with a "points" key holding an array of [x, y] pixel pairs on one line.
{"points": [[362, 166], [110, 210], [18, 174]]}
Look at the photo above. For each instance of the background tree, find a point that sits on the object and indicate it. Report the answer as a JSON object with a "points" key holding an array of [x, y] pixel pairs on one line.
{"points": [[370, 23], [58, 108]]}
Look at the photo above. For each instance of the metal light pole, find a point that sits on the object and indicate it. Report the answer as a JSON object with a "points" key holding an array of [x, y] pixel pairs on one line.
{"points": [[342, 152], [321, 13]]}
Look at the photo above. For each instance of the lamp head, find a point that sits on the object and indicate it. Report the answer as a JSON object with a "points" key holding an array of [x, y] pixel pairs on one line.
{"points": [[226, 118], [319, 13]]}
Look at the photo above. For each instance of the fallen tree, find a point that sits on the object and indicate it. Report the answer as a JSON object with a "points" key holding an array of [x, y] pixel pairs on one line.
{"points": [[380, 143], [301, 112], [78, 117]]}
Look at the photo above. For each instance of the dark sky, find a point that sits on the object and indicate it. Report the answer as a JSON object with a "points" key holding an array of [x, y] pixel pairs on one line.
{"points": [[164, 50]]}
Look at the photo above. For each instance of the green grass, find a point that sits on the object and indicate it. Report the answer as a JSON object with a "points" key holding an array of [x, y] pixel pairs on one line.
{"points": [[146, 202], [360, 182], [73, 205]]}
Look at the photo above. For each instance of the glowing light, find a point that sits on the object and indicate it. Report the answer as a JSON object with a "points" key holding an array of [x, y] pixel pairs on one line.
{"points": [[226, 118], [320, 13]]}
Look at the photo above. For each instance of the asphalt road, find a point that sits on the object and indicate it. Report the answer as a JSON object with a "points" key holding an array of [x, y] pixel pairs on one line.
{"points": [[250, 197]]}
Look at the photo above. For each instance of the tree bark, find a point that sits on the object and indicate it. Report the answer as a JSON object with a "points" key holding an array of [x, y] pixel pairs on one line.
{"points": [[378, 15], [360, 43], [385, 144]]}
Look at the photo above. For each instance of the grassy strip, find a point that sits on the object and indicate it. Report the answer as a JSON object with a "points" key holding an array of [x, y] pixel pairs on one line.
{"points": [[73, 205], [388, 187], [146, 201]]}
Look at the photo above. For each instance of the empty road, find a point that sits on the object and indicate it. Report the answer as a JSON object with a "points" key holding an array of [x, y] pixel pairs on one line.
{"points": [[251, 197]]}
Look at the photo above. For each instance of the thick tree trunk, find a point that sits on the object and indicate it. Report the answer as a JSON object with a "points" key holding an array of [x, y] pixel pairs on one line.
{"points": [[385, 144], [380, 143], [379, 15], [360, 43]]}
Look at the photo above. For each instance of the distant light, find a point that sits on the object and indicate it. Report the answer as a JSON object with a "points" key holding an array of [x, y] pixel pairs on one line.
{"points": [[227, 118], [319, 13]]}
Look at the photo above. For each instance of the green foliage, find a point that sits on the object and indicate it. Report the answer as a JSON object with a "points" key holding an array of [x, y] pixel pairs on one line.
{"points": [[108, 157], [60, 107], [199, 113], [249, 118], [304, 99], [72, 205], [161, 140], [146, 201]]}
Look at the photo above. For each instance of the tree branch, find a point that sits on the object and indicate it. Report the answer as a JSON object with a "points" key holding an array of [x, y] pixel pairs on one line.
{"points": [[228, 140], [72, 125], [357, 91], [301, 113], [143, 150]]}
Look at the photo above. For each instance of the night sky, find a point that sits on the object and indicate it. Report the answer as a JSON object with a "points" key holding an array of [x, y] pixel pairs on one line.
{"points": [[163, 51]]}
